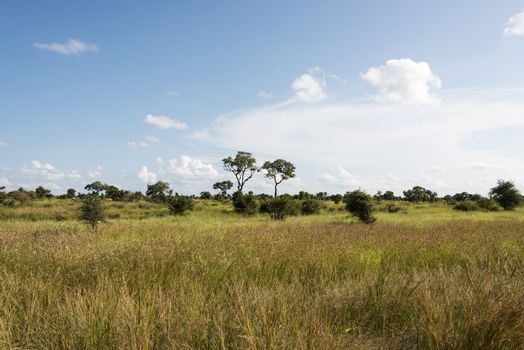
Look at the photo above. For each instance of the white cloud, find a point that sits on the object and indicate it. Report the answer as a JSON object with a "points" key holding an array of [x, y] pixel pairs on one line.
{"points": [[143, 144], [309, 87], [137, 144], [191, 170], [373, 140], [71, 47], [265, 94], [163, 122], [173, 93], [97, 172], [3, 144], [405, 82], [342, 178], [515, 25], [147, 176], [159, 161]]}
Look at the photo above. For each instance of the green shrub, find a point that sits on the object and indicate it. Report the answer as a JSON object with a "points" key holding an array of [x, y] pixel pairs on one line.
{"points": [[311, 206], [281, 207], [178, 205], [92, 210], [488, 204], [245, 204], [466, 206], [393, 208], [359, 204]]}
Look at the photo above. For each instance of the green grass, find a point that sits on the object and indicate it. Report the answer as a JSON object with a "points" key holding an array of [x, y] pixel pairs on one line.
{"points": [[426, 277]]}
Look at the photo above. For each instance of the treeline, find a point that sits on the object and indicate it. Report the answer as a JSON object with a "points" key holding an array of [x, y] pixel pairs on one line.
{"points": [[243, 167]]}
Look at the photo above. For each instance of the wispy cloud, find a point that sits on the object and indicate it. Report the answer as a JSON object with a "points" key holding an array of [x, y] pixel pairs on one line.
{"points": [[3, 144], [71, 47], [148, 140], [163, 122], [265, 94]]}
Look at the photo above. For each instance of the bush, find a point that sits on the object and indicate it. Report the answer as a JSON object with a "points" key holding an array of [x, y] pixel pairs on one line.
{"points": [[280, 207], [488, 204], [92, 210], [393, 208], [359, 204], [178, 205], [466, 205], [244, 204], [311, 206]]}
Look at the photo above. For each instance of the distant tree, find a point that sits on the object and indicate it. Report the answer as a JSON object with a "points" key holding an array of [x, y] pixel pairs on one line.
{"points": [[243, 167], [359, 204], [205, 195], [42, 192], [388, 196], [179, 205], [114, 193], [158, 192], [71, 193], [465, 196], [304, 195], [506, 194], [96, 187], [92, 210], [420, 194], [321, 195], [336, 198], [223, 186], [279, 170], [3, 195]]}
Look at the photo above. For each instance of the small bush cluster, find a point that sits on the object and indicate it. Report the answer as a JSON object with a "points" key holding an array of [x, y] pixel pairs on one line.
{"points": [[359, 204], [311, 206], [245, 204], [179, 205]]}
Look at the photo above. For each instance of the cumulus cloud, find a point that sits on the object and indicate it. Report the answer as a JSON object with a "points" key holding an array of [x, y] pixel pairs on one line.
{"points": [[310, 87], [3, 144], [71, 47], [147, 176], [404, 81], [191, 170], [515, 25], [163, 122]]}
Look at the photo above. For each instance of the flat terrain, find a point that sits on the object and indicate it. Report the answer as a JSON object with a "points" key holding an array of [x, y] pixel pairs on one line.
{"points": [[425, 277]]}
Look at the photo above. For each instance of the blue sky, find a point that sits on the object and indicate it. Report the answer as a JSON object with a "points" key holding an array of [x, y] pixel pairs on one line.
{"points": [[372, 94]]}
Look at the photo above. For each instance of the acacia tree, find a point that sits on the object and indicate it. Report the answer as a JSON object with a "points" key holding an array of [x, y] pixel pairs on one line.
{"points": [[223, 186], [279, 170], [243, 167], [158, 192]]}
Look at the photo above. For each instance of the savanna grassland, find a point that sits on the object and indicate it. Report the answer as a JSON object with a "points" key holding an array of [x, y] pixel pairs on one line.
{"points": [[426, 277]]}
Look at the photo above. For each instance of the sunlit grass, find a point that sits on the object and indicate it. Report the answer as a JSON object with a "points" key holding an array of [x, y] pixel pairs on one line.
{"points": [[427, 277]]}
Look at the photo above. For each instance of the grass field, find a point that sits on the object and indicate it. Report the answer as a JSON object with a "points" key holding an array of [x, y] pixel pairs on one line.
{"points": [[426, 277]]}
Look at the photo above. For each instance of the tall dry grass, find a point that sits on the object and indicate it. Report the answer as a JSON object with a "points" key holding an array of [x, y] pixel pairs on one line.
{"points": [[229, 283]]}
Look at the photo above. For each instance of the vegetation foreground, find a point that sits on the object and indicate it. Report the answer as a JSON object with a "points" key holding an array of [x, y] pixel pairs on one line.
{"points": [[425, 277]]}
